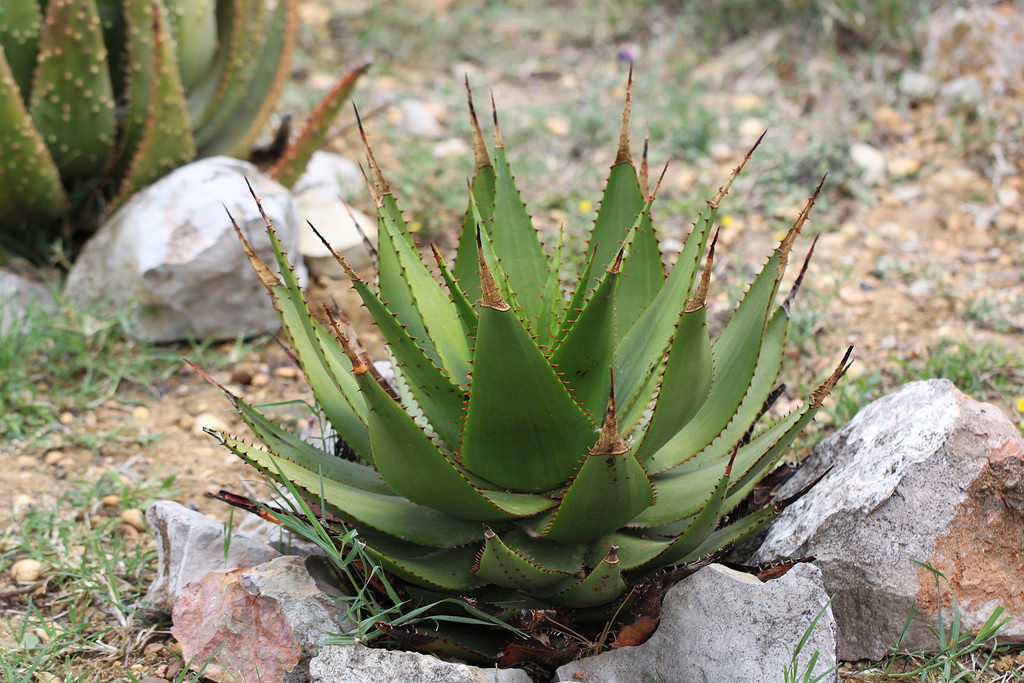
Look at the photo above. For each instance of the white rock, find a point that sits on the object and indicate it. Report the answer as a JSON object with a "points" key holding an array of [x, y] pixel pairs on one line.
{"points": [[925, 474], [917, 85], [189, 545], [172, 251], [984, 42], [418, 120], [723, 625], [359, 664], [333, 175], [19, 296], [869, 160], [334, 220]]}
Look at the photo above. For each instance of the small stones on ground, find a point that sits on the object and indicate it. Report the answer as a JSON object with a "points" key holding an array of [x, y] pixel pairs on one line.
{"points": [[558, 125], [450, 148], [903, 166], [111, 500], [134, 518], [869, 160], [26, 570], [66, 418], [25, 462], [47, 677], [140, 413], [286, 372], [53, 458]]}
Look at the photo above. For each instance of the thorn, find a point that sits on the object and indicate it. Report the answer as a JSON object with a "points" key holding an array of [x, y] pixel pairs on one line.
{"points": [[497, 131], [380, 185], [701, 293], [732, 459], [202, 373], [724, 189], [800, 277], [657, 186], [623, 155], [786, 245], [819, 394], [358, 366], [480, 156], [263, 271], [610, 443], [372, 250], [643, 159], [490, 296]]}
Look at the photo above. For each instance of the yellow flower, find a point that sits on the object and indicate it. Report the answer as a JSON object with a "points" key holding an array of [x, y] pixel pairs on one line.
{"points": [[726, 221], [586, 206], [415, 226], [779, 234], [1020, 404]]}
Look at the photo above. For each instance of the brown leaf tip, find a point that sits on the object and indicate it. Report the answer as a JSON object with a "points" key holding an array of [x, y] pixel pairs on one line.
{"points": [[609, 442], [490, 295], [623, 155], [480, 157], [819, 394], [497, 129], [701, 294]]}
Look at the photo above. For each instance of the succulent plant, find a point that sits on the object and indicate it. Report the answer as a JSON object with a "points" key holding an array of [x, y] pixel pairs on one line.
{"points": [[548, 449], [101, 97]]}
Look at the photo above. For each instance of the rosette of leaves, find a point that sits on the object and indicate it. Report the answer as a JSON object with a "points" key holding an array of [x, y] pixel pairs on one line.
{"points": [[550, 449], [101, 97]]}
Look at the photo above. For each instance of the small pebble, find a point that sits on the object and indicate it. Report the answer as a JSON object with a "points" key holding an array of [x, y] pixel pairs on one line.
{"points": [[242, 375], [26, 570], [53, 457], [47, 677], [111, 500], [22, 502], [25, 461], [66, 418], [134, 518], [287, 372], [140, 413], [260, 379]]}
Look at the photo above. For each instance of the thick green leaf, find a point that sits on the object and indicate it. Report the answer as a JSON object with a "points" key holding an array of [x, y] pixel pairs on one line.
{"points": [[551, 307], [243, 126], [72, 101], [516, 242], [194, 25], [585, 355], [388, 514], [502, 566], [20, 25], [684, 382], [763, 380], [166, 134], [466, 268], [641, 349], [523, 430], [464, 307], [292, 163], [733, 533], [447, 568], [609, 490], [29, 180], [213, 101], [735, 355], [578, 299], [602, 585], [679, 495], [413, 467]]}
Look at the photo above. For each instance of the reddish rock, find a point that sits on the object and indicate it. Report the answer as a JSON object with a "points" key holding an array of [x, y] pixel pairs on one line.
{"points": [[240, 634]]}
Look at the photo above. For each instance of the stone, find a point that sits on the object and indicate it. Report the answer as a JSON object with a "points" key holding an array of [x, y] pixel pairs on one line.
{"points": [[19, 297], [724, 625], [321, 202], [418, 121], [332, 175], [134, 518], [360, 664], [986, 43], [869, 160], [26, 570], [925, 474], [189, 545], [917, 85], [171, 252], [258, 623]]}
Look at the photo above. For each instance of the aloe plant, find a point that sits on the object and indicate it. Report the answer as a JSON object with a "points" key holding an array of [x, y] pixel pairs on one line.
{"points": [[101, 97], [548, 448]]}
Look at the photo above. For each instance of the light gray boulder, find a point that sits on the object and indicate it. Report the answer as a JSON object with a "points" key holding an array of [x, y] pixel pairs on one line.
{"points": [[18, 296], [924, 474], [359, 664], [727, 626], [190, 544], [173, 253]]}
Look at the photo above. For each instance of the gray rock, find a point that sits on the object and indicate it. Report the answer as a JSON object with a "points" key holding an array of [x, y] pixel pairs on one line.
{"points": [[418, 121], [337, 223], [924, 474], [19, 296], [869, 160], [359, 664], [722, 625], [173, 253], [918, 85], [261, 623], [189, 545], [986, 43]]}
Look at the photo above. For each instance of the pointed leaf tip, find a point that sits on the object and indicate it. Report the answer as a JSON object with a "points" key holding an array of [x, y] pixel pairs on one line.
{"points": [[657, 185], [724, 189], [818, 396], [490, 295], [701, 293], [263, 271], [358, 366], [623, 155], [610, 443], [497, 129], [480, 157], [380, 186]]}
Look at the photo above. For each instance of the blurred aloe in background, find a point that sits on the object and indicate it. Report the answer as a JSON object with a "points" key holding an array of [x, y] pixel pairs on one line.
{"points": [[99, 98]]}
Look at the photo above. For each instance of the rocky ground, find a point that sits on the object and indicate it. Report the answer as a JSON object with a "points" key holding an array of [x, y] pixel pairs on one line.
{"points": [[918, 262]]}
